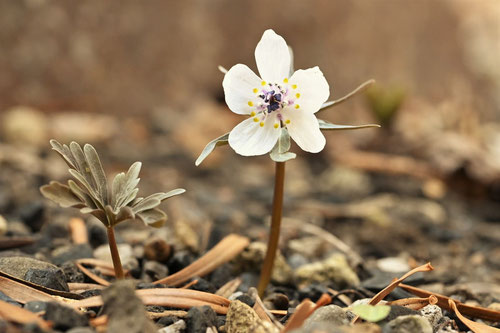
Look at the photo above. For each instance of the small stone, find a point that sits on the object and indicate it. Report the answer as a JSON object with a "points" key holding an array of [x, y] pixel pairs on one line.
{"points": [[63, 316], [309, 247], [153, 271], [179, 260], [71, 253], [157, 249], [393, 265], [203, 285], [312, 291], [177, 327], [331, 314], [245, 298], [279, 301], [433, 313], [126, 255], [199, 318], [125, 310], [97, 234], [253, 257], [333, 269], [398, 311], [81, 330], [36, 306], [36, 271], [362, 328], [240, 318], [167, 321], [48, 277], [32, 215], [408, 324], [494, 306], [72, 273]]}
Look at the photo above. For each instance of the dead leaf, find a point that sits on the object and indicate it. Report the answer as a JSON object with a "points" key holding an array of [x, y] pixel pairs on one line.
{"points": [[19, 315], [475, 327]]}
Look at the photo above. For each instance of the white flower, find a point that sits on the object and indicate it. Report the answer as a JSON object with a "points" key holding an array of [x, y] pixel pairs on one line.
{"points": [[275, 100]]}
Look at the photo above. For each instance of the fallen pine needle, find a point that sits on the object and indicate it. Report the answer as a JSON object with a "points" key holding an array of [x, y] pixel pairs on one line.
{"points": [[475, 327], [225, 250]]}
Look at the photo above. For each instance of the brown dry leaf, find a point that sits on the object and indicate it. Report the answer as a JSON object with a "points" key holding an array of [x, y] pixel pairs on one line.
{"points": [[387, 290], [19, 315], [475, 327], [225, 250], [415, 303], [173, 297], [23, 293], [78, 231], [443, 302]]}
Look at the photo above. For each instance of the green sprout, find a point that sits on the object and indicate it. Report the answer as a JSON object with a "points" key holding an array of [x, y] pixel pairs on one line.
{"points": [[90, 194]]}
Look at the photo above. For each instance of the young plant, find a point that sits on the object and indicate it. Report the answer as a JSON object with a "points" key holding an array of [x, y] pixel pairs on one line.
{"points": [[279, 105], [90, 194]]}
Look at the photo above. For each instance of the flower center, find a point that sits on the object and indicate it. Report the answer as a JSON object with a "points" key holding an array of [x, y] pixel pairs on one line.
{"points": [[273, 97]]}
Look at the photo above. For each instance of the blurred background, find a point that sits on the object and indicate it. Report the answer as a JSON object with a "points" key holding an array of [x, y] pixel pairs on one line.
{"points": [[139, 80]]}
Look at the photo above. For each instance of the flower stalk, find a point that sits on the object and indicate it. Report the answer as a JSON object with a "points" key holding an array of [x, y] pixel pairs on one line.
{"points": [[115, 256], [272, 244]]}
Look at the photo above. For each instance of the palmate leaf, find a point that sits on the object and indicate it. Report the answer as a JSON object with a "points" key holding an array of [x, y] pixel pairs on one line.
{"points": [[97, 172], [210, 147], [280, 152], [325, 125], [153, 217], [61, 194]]}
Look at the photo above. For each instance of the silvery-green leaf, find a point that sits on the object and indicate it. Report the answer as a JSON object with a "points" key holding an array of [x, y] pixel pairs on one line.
{"points": [[116, 186], [125, 213], [154, 217], [146, 204], [80, 193], [130, 182], [65, 153], [169, 194], [130, 198], [61, 194], [280, 152], [110, 214], [87, 186], [83, 167], [371, 313], [359, 89], [210, 147], [97, 171], [325, 125]]}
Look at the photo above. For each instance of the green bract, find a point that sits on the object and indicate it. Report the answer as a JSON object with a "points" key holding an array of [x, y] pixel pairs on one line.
{"points": [[90, 192], [371, 313]]}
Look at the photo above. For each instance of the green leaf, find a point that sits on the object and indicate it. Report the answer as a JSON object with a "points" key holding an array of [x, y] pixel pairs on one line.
{"points": [[65, 153], [371, 313], [325, 125], [61, 194], [280, 152], [210, 147]]}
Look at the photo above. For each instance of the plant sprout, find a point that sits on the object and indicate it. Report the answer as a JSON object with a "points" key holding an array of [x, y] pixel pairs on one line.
{"points": [[90, 194], [279, 105]]}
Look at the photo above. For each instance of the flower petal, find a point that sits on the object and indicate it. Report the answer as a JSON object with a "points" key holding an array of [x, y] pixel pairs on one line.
{"points": [[304, 129], [272, 57], [238, 85], [313, 88], [248, 138]]}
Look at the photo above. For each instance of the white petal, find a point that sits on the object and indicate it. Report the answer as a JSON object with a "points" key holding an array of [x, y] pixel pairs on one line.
{"points": [[238, 85], [313, 88], [272, 57], [304, 129], [248, 138]]}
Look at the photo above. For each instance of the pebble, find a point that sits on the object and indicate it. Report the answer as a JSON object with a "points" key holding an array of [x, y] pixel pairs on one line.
{"points": [[398, 311], [253, 256], [157, 249], [81, 330], [334, 269], [433, 313], [199, 318], [179, 260], [408, 324], [393, 265], [309, 247], [186, 235], [245, 298], [167, 320], [36, 306], [331, 314], [204, 285], [241, 318], [36, 271], [32, 214], [153, 271], [8, 299], [279, 301], [63, 317], [125, 310], [177, 327], [72, 273], [348, 183], [126, 255]]}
